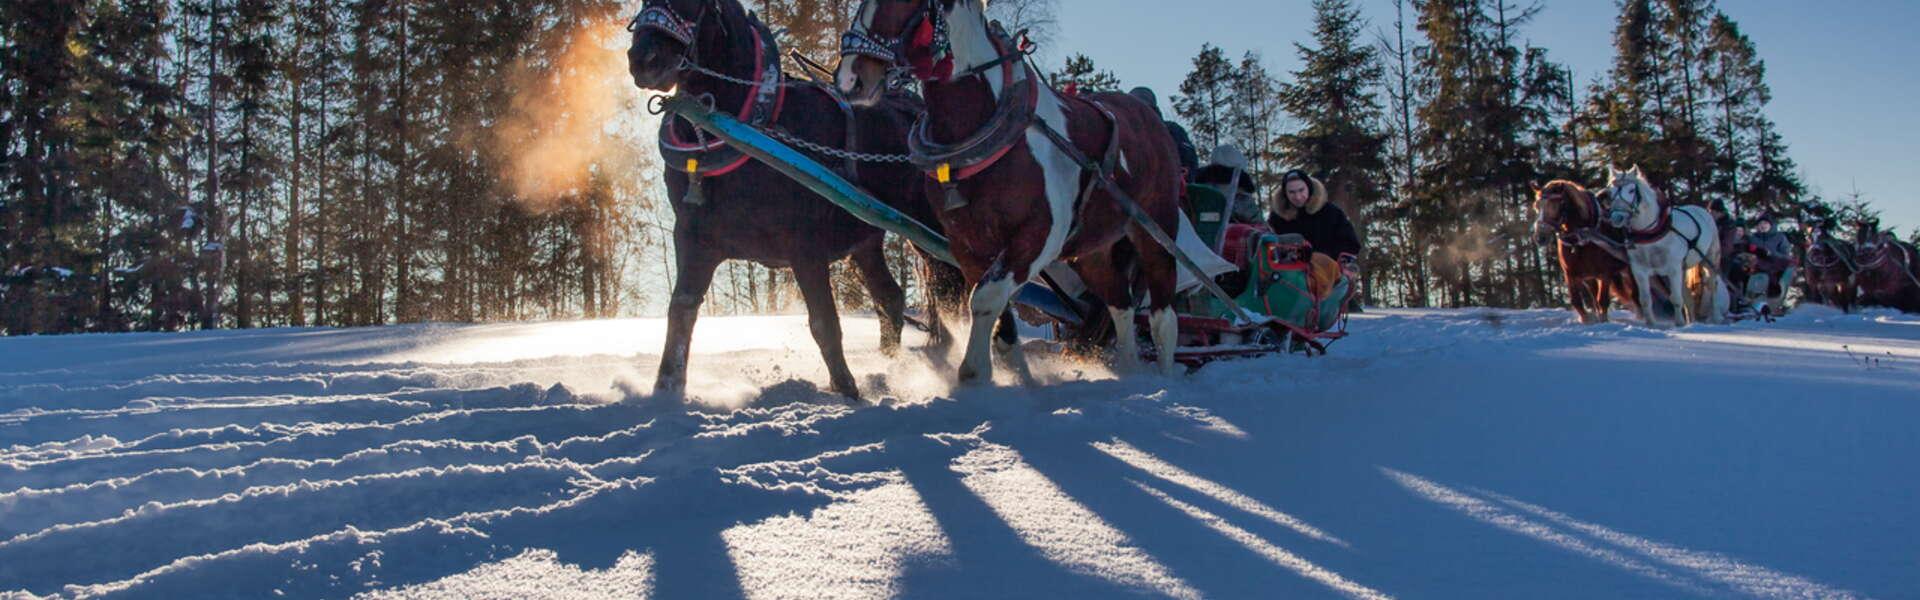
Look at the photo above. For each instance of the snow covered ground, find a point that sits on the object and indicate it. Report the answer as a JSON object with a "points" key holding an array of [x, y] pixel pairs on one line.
{"points": [[1437, 454]]}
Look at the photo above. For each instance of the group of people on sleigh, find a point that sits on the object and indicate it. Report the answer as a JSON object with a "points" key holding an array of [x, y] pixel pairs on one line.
{"points": [[1758, 258], [1299, 206]]}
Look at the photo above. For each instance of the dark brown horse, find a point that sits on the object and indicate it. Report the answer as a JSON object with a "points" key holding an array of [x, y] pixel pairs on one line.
{"points": [[1009, 155], [1570, 218], [727, 207], [1830, 271], [1889, 269]]}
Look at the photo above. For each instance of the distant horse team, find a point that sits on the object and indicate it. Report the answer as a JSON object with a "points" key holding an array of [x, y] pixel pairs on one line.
{"points": [[1629, 244]]}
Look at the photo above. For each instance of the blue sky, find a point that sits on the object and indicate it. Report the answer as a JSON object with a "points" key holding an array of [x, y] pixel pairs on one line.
{"points": [[1843, 74]]}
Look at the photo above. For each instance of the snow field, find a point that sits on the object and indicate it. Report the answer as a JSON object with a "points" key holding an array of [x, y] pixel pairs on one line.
{"points": [[1470, 453]]}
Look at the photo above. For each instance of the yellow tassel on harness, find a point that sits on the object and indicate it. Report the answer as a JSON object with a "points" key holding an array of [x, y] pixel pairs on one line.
{"points": [[693, 165], [943, 173]]}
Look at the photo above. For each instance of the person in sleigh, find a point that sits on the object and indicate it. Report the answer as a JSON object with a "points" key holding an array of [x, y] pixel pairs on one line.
{"points": [[1773, 257], [1302, 208]]}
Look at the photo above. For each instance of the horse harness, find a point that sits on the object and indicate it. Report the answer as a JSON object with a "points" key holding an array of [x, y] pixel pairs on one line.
{"points": [[1592, 236], [1886, 254], [1014, 112], [1663, 226], [702, 157], [1841, 258]]}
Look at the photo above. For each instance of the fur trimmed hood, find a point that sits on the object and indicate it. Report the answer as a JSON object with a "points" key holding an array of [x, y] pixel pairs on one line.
{"points": [[1284, 209]]}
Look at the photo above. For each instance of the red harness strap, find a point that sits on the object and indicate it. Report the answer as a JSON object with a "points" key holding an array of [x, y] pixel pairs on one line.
{"points": [[1661, 227], [945, 173], [673, 142]]}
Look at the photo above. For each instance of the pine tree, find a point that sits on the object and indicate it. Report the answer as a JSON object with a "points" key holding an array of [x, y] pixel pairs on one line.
{"points": [[1204, 95], [1254, 116], [1080, 73], [1625, 114], [1735, 81], [1688, 147]]}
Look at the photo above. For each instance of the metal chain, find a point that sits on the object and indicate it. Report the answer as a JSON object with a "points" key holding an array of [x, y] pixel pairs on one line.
{"points": [[782, 135], [689, 64]]}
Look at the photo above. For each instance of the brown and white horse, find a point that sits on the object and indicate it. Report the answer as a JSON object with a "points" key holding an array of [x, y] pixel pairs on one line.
{"points": [[1595, 274], [1016, 199]]}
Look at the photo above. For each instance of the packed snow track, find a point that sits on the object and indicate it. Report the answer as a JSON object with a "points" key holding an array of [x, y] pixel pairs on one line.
{"points": [[1436, 454]]}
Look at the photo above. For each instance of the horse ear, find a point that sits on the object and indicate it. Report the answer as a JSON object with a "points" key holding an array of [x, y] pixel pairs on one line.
{"points": [[1536, 186], [1636, 172], [1613, 172]]}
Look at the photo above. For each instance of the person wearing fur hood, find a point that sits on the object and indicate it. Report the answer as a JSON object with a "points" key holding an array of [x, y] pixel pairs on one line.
{"points": [[1301, 207]]}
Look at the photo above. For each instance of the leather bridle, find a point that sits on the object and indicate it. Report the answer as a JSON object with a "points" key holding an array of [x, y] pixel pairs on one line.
{"points": [[862, 41], [658, 15]]}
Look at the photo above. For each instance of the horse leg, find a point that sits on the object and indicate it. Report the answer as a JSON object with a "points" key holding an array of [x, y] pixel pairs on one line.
{"points": [[1685, 301], [690, 285], [989, 302], [1644, 282], [1006, 344], [888, 300], [943, 287], [1577, 291], [823, 318], [1600, 301], [1158, 266], [1107, 274]]}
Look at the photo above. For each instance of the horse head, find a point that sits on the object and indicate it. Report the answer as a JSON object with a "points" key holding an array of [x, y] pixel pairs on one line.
{"points": [[1561, 207], [1633, 199], [1867, 237], [669, 36], [893, 35]]}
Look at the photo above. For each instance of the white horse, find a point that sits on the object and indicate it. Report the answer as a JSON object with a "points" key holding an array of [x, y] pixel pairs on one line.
{"points": [[1665, 242]]}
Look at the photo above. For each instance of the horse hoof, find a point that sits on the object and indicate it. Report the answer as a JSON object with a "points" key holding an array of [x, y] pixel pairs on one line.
{"points": [[847, 389], [670, 386], [969, 377]]}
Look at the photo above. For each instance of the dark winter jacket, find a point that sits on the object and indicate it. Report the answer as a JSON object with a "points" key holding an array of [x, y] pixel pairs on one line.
{"points": [[1323, 224], [1772, 244]]}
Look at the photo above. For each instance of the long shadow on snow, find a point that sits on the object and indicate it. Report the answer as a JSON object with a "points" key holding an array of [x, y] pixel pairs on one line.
{"points": [[1802, 449]]}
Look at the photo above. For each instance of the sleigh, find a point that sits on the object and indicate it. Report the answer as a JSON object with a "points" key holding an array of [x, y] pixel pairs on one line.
{"points": [[1274, 303]]}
